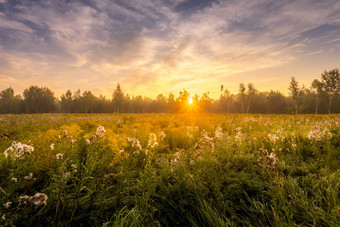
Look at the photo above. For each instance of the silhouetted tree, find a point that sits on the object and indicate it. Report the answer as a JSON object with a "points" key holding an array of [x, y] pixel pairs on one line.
{"points": [[331, 84], [118, 99], [294, 92], [39, 100], [9, 103], [276, 103]]}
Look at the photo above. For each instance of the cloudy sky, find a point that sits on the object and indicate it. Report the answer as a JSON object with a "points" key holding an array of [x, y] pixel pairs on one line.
{"points": [[163, 46]]}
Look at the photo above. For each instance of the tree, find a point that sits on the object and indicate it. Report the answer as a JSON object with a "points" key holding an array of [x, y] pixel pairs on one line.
{"points": [[331, 85], [294, 92], [118, 99], [76, 97], [39, 100], [242, 96], [225, 100], [88, 101], [276, 103], [66, 102], [251, 96], [8, 102], [317, 87]]}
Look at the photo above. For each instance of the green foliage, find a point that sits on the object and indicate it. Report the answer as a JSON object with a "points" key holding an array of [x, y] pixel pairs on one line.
{"points": [[203, 170]]}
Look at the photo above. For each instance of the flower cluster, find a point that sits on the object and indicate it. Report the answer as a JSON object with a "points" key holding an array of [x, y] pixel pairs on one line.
{"points": [[134, 142], [59, 156], [37, 200], [162, 136], [74, 167], [266, 160], [316, 134], [29, 177], [205, 142], [152, 141], [7, 205], [273, 138], [100, 131], [218, 133], [239, 135], [62, 134], [18, 150]]}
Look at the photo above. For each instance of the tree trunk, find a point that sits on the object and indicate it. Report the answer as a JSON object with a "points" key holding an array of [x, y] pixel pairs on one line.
{"points": [[296, 108], [330, 104], [316, 104]]}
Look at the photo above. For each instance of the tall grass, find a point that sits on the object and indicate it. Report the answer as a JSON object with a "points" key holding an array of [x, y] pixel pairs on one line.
{"points": [[208, 170]]}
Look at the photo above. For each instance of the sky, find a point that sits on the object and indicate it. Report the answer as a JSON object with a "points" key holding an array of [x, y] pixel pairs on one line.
{"points": [[162, 46]]}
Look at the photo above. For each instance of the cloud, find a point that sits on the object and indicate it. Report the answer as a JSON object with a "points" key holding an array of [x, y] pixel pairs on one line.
{"points": [[163, 45]]}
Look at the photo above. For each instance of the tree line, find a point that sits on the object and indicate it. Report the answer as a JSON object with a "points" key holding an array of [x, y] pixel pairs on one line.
{"points": [[323, 96]]}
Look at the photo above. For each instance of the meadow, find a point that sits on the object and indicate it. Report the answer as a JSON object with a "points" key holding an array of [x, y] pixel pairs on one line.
{"points": [[169, 170]]}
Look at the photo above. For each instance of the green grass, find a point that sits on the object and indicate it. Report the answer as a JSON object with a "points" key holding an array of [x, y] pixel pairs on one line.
{"points": [[192, 177]]}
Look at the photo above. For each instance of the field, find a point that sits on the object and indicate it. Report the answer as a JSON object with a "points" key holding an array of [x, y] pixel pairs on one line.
{"points": [[170, 170]]}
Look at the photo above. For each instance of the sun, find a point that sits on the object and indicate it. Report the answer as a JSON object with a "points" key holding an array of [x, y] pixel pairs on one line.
{"points": [[190, 101]]}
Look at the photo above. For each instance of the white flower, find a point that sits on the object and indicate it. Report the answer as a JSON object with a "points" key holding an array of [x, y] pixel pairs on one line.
{"points": [[7, 205], [29, 177], [88, 142], [100, 131], [14, 179], [20, 150], [273, 137], [52, 146], [152, 140], [218, 133], [7, 151], [3, 217], [74, 166], [39, 199], [162, 135], [23, 199], [59, 156], [134, 142]]}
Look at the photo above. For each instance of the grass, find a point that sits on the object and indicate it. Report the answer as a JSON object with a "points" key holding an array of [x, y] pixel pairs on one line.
{"points": [[204, 170]]}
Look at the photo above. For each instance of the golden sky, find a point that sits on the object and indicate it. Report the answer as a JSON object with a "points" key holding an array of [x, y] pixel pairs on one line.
{"points": [[163, 46]]}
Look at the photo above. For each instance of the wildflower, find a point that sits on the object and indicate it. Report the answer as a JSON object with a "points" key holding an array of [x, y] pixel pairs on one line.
{"points": [[88, 142], [20, 150], [162, 136], [74, 166], [3, 217], [239, 136], [52, 146], [59, 156], [205, 142], [14, 179], [39, 199], [72, 140], [218, 133], [152, 141], [62, 134], [66, 175], [134, 142], [29, 177], [7, 151], [273, 138], [100, 131], [23, 199], [7, 205]]}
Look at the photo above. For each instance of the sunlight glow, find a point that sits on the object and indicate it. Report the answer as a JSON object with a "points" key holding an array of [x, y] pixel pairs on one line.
{"points": [[190, 101]]}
